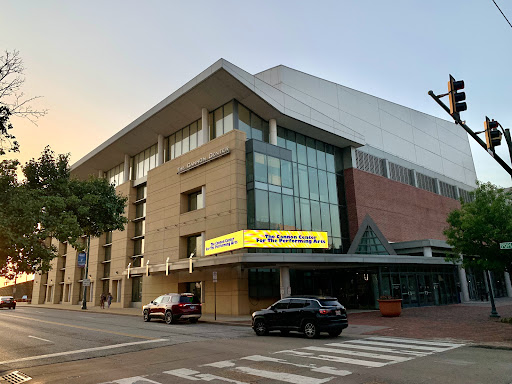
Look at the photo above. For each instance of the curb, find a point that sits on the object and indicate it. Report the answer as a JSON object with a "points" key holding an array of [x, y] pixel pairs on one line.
{"points": [[487, 346]]}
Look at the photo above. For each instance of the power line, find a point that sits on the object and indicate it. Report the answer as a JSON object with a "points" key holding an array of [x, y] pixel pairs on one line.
{"points": [[502, 13]]}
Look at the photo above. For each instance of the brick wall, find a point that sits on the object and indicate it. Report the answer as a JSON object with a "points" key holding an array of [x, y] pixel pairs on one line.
{"points": [[402, 212], [22, 289]]}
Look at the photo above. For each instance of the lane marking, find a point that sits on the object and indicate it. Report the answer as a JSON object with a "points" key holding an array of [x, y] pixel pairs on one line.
{"points": [[81, 327], [283, 377], [337, 359], [38, 338], [78, 351], [398, 359], [184, 373], [416, 341], [209, 377], [133, 380], [407, 346], [379, 349], [220, 364]]}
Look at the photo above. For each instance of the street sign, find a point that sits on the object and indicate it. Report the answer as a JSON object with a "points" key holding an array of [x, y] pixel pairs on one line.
{"points": [[81, 259], [86, 282], [214, 277], [507, 245]]}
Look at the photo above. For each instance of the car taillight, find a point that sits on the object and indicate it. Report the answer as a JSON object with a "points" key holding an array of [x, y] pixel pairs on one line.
{"points": [[324, 311], [181, 305]]}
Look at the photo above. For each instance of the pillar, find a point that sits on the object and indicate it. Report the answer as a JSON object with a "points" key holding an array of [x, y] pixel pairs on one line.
{"points": [[508, 284], [414, 178], [101, 175], [464, 291], [284, 274], [160, 146], [387, 171], [204, 126], [427, 251], [126, 174], [272, 124]]}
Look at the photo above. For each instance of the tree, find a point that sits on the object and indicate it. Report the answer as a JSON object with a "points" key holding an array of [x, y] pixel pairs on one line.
{"points": [[12, 101], [49, 203], [478, 227]]}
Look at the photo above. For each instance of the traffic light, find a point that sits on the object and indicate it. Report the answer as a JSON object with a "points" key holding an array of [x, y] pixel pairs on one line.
{"points": [[456, 99], [492, 134]]}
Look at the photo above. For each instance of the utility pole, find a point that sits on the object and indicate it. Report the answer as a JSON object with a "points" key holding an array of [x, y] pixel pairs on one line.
{"points": [[84, 301]]}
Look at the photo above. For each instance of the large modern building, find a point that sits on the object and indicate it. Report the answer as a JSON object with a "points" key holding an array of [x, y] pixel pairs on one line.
{"points": [[277, 150]]}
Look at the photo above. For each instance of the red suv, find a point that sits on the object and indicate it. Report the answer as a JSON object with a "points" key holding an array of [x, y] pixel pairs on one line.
{"points": [[172, 307]]}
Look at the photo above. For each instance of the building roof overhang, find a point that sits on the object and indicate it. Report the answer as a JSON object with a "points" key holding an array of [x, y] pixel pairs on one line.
{"points": [[215, 86]]}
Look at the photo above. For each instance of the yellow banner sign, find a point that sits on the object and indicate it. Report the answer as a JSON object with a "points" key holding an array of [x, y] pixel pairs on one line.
{"points": [[255, 238]]}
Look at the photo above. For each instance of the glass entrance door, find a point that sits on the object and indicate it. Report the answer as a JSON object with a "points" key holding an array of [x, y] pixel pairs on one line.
{"points": [[410, 294]]}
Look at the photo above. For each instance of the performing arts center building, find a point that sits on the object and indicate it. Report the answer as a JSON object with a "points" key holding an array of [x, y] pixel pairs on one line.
{"points": [[281, 150]]}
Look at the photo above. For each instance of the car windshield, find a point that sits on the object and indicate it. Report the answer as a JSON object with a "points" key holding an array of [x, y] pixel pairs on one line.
{"points": [[329, 303], [189, 299]]}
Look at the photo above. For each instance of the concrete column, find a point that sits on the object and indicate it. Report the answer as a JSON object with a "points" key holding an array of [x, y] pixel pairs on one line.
{"points": [[204, 122], [284, 273], [427, 251], [272, 125], [160, 147], [508, 284], [101, 175], [126, 174], [464, 291]]}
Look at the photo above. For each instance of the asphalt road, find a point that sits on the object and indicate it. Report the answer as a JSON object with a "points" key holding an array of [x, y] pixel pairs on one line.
{"points": [[57, 346]]}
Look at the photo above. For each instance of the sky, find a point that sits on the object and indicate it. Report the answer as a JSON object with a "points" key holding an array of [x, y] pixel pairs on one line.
{"points": [[99, 65]]}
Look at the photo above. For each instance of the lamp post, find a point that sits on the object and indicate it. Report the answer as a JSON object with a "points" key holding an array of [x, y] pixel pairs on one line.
{"points": [[494, 313], [84, 301]]}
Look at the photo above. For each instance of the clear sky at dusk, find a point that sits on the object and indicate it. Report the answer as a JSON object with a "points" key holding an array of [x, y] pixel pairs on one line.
{"points": [[100, 65]]}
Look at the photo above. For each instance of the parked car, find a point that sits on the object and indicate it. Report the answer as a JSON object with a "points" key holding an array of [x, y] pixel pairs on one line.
{"points": [[173, 307], [307, 314], [7, 302]]}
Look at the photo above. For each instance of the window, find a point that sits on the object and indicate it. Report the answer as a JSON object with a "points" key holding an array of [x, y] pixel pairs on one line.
{"points": [[296, 303], [144, 161], [195, 201], [136, 288], [194, 245], [106, 269], [108, 253], [283, 304], [108, 237], [116, 175], [274, 171], [263, 283]]}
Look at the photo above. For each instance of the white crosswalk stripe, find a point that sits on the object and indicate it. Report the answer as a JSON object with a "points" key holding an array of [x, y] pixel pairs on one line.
{"points": [[378, 349], [416, 341], [397, 359], [283, 377], [391, 344], [334, 359]]}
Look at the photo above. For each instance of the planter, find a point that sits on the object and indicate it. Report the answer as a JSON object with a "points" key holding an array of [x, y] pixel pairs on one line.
{"points": [[390, 308]]}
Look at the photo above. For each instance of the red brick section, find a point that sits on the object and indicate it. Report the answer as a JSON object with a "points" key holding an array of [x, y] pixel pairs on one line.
{"points": [[401, 212], [462, 322]]}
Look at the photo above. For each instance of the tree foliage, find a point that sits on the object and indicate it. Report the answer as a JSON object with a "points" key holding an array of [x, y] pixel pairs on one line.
{"points": [[13, 102], [49, 203], [478, 227]]}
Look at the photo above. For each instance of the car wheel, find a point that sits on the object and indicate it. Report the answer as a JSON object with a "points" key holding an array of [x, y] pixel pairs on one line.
{"points": [[146, 315], [193, 320], [310, 330], [260, 328], [335, 333], [169, 318], [285, 332]]}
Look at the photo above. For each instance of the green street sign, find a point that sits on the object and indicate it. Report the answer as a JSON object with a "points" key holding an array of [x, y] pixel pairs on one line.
{"points": [[507, 245]]}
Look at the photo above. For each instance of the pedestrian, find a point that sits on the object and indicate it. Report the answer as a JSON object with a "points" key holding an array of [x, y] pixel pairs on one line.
{"points": [[102, 301], [109, 299]]}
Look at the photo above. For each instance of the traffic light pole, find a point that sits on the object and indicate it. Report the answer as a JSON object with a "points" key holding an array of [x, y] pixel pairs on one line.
{"points": [[477, 139], [506, 133]]}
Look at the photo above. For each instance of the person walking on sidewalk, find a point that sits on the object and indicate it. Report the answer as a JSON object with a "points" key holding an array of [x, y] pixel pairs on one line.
{"points": [[102, 301], [109, 299]]}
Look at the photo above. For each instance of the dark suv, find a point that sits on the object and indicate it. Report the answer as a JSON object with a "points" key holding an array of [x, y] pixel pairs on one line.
{"points": [[7, 301], [172, 307], [308, 314]]}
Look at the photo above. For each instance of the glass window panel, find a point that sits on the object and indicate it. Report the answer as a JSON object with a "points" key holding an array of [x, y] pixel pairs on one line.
{"points": [[274, 188], [338, 159], [108, 253], [311, 151], [276, 211], [291, 144], [286, 174], [257, 130], [274, 170], [140, 165], [333, 194], [200, 132], [336, 245], [320, 155], [147, 154], [298, 224], [316, 221], [108, 240], [303, 181], [218, 118], [185, 141], [265, 129], [152, 158], [260, 167], [326, 218], [335, 221], [121, 176], [329, 158], [322, 186], [250, 209], [340, 185], [141, 192], [140, 228], [301, 149], [313, 183], [193, 135], [295, 179], [261, 205], [172, 146], [166, 149], [244, 120], [228, 117], [281, 137], [249, 166], [305, 215], [210, 126], [288, 215], [177, 148]]}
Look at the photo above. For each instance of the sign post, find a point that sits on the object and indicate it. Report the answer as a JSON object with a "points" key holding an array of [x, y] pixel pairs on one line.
{"points": [[215, 294], [507, 245]]}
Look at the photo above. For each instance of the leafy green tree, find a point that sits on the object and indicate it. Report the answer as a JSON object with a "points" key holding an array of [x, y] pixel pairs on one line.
{"points": [[49, 203], [478, 227]]}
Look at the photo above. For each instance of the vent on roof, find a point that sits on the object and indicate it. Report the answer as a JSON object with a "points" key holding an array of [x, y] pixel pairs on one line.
{"points": [[15, 377]]}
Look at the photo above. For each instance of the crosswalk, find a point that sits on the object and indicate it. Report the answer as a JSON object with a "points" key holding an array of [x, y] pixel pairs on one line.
{"points": [[313, 364]]}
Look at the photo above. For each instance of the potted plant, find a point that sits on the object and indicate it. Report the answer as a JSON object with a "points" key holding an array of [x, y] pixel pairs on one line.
{"points": [[389, 306]]}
